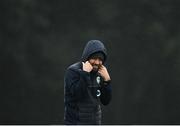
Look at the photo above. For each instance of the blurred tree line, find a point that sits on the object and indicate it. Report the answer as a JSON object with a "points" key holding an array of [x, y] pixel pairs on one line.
{"points": [[40, 39]]}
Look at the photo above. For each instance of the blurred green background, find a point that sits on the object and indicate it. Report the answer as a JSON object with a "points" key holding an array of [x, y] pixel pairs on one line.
{"points": [[40, 38]]}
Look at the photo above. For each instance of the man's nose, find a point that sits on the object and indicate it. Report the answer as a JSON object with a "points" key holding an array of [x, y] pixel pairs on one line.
{"points": [[97, 61]]}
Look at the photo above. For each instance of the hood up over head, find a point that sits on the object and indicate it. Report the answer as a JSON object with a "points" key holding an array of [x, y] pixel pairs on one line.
{"points": [[94, 47]]}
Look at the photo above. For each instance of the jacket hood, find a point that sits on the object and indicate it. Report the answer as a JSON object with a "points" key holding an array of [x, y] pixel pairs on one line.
{"points": [[91, 47]]}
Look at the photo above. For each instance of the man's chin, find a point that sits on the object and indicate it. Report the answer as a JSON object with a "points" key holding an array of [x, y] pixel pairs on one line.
{"points": [[95, 69]]}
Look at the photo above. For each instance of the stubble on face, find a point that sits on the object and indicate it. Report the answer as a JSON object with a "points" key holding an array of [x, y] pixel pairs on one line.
{"points": [[96, 67]]}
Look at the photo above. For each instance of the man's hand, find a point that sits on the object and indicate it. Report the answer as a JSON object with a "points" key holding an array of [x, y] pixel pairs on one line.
{"points": [[87, 66], [104, 73]]}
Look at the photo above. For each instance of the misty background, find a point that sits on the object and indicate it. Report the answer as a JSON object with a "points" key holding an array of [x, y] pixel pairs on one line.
{"points": [[40, 38]]}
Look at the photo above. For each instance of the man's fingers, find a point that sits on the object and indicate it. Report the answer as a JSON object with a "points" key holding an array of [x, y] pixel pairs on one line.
{"points": [[100, 71], [103, 66], [87, 61]]}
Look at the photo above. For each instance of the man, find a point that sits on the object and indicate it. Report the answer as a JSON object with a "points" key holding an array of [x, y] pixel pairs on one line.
{"points": [[87, 85]]}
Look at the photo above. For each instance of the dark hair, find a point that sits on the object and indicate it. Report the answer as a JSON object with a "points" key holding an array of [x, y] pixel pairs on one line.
{"points": [[97, 55]]}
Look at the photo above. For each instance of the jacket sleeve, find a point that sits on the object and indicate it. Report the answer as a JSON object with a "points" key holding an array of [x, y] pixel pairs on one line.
{"points": [[106, 92], [76, 82]]}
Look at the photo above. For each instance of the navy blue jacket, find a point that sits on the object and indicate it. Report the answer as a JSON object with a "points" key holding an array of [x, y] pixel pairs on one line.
{"points": [[83, 91]]}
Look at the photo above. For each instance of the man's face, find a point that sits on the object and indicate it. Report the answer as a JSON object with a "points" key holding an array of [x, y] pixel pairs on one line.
{"points": [[96, 63]]}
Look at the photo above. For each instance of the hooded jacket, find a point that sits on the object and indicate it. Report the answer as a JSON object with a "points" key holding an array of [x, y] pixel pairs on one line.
{"points": [[83, 91]]}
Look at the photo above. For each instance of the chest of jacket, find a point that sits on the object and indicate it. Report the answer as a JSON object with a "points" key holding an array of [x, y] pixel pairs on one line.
{"points": [[90, 109]]}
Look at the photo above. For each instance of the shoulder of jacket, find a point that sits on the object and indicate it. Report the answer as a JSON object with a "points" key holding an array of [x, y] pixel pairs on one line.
{"points": [[75, 66]]}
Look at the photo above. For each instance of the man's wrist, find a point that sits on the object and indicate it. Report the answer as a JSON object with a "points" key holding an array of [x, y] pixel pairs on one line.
{"points": [[106, 82]]}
